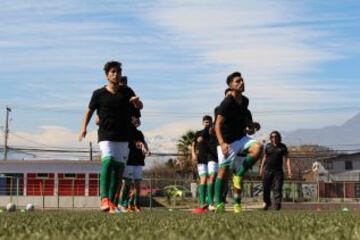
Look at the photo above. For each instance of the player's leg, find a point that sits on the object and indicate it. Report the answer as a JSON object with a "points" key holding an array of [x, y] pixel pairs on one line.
{"points": [[225, 163], [237, 191], [202, 171], [107, 154], [278, 184], [137, 185], [253, 151], [128, 177], [213, 169], [267, 184], [121, 155]]}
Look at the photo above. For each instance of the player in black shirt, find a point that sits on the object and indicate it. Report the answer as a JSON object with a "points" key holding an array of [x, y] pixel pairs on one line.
{"points": [[133, 170], [271, 169], [205, 157], [233, 122], [112, 104]]}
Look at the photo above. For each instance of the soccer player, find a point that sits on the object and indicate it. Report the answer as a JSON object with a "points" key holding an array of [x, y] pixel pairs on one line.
{"points": [[232, 123], [206, 162], [112, 104], [133, 171], [271, 169]]}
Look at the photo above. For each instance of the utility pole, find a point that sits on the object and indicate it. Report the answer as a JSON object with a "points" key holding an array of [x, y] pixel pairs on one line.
{"points": [[8, 110], [91, 151]]}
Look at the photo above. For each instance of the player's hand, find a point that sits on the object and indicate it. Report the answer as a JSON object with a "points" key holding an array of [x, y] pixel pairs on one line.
{"points": [[82, 134], [225, 149], [139, 145], [256, 126], [289, 175], [135, 101], [250, 131]]}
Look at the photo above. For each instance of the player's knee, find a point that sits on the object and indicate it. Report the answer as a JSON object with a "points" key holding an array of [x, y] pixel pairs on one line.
{"points": [[256, 149]]}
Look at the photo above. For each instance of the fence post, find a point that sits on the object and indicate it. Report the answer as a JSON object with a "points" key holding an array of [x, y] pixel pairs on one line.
{"points": [[72, 193], [17, 191], [344, 191], [151, 190], [11, 189], [42, 193], [318, 191]]}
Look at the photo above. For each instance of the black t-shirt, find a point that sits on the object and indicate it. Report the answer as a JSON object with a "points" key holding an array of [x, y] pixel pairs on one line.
{"points": [[213, 143], [202, 147], [237, 117], [207, 147], [136, 156], [115, 113], [274, 157]]}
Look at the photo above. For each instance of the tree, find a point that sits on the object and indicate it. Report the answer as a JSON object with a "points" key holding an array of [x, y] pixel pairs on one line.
{"points": [[184, 148]]}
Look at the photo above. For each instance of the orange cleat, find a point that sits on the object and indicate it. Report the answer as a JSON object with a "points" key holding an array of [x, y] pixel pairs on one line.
{"points": [[105, 204]]}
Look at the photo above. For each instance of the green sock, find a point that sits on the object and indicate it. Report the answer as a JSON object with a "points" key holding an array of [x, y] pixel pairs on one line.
{"points": [[125, 193], [237, 198], [202, 194], [246, 165], [219, 186], [115, 179], [210, 194], [105, 176]]}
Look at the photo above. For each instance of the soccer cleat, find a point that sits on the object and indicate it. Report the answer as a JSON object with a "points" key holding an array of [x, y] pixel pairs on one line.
{"points": [[123, 209], [105, 204], [237, 182], [199, 210], [212, 208], [113, 209], [130, 208], [220, 208], [278, 206], [266, 207], [237, 208]]}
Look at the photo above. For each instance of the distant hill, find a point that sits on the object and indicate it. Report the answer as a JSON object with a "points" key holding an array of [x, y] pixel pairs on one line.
{"points": [[346, 136]]}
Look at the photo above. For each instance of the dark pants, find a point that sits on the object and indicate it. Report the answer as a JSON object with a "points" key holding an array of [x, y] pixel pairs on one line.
{"points": [[275, 180]]}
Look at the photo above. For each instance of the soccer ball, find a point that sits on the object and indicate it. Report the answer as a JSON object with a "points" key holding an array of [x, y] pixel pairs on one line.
{"points": [[11, 207], [30, 207]]}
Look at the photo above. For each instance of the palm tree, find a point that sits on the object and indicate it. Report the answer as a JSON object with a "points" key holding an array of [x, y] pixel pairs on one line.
{"points": [[184, 148]]}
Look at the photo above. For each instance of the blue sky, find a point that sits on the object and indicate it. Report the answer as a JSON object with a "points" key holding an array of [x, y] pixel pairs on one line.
{"points": [[300, 60]]}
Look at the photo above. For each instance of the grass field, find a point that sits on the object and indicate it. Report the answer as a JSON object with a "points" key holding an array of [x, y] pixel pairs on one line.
{"points": [[180, 225]]}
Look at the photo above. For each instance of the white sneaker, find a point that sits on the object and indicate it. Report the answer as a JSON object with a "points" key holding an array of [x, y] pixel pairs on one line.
{"points": [[212, 208], [122, 209]]}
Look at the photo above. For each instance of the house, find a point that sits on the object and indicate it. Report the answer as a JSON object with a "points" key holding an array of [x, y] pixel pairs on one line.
{"points": [[49, 177]]}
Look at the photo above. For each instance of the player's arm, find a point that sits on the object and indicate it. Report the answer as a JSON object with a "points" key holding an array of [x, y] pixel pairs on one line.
{"points": [[136, 102], [85, 122], [261, 172], [288, 165], [218, 125], [193, 152]]}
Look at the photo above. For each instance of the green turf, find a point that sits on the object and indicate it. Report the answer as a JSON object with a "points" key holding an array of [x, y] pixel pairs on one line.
{"points": [[180, 225]]}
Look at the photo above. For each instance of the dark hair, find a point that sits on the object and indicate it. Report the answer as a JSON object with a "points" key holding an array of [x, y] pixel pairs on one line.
{"points": [[277, 133], [231, 77], [207, 118], [124, 79], [227, 90], [110, 65]]}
